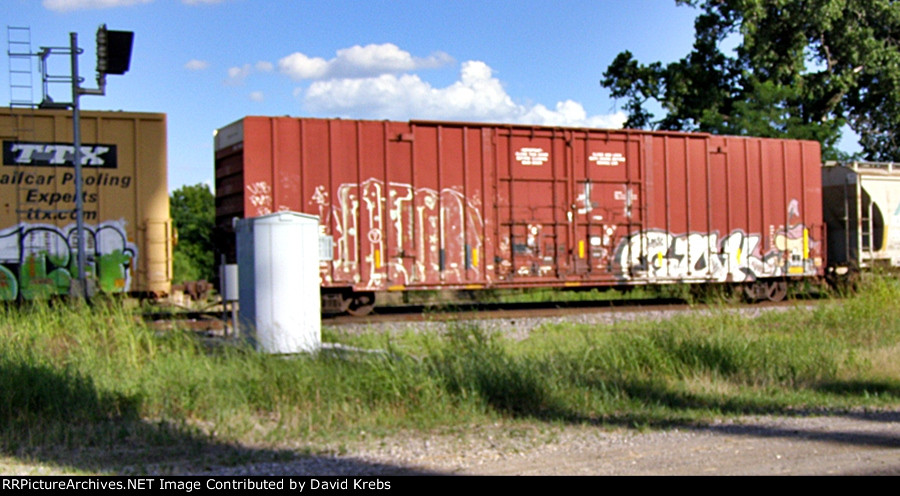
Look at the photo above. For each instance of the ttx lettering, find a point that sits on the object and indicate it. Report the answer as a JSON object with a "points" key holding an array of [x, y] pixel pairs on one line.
{"points": [[58, 154]]}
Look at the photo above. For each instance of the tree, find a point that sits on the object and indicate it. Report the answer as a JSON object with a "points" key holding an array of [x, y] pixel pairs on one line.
{"points": [[802, 69], [193, 210]]}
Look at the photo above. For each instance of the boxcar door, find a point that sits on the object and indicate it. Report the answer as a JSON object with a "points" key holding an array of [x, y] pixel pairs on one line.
{"points": [[607, 208], [532, 205]]}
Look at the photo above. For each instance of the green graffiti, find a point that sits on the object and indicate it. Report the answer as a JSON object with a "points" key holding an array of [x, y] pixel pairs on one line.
{"points": [[33, 278], [9, 288], [61, 280], [37, 282], [48, 264], [58, 259], [111, 268]]}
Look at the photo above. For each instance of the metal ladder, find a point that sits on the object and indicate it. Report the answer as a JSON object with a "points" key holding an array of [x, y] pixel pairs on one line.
{"points": [[21, 125], [21, 82], [21, 67]]}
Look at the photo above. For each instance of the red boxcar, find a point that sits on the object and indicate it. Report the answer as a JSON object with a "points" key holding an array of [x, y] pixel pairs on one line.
{"points": [[434, 205]]}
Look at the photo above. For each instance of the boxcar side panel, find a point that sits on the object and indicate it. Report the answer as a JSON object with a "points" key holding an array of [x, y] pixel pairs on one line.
{"points": [[736, 209], [462, 205], [126, 207]]}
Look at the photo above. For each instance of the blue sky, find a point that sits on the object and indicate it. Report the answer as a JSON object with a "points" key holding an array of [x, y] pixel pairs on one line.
{"points": [[207, 63]]}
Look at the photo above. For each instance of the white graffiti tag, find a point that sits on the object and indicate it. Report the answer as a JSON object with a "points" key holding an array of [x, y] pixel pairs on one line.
{"points": [[260, 196], [402, 234], [738, 257]]}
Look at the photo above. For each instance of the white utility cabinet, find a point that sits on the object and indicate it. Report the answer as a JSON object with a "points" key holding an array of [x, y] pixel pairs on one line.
{"points": [[278, 269]]}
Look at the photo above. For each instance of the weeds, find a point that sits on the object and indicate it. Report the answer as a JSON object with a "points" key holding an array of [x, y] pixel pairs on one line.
{"points": [[72, 375]]}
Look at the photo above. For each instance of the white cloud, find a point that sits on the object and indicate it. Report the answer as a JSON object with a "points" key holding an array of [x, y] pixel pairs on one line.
{"points": [[70, 5], [359, 61], [196, 65], [477, 96], [299, 66], [237, 74], [257, 96]]}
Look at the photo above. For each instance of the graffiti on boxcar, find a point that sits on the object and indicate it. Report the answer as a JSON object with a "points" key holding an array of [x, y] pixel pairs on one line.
{"points": [[260, 196], [40, 260], [405, 235], [738, 257]]}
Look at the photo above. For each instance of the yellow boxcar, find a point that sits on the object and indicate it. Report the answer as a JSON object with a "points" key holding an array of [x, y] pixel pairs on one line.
{"points": [[128, 230]]}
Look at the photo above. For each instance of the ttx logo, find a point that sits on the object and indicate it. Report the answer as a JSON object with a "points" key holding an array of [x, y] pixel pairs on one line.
{"points": [[52, 154]]}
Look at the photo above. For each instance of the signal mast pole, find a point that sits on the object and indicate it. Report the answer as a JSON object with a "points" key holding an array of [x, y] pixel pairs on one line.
{"points": [[82, 290], [113, 57]]}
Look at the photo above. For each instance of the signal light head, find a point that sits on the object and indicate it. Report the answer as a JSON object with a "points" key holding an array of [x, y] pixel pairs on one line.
{"points": [[113, 50]]}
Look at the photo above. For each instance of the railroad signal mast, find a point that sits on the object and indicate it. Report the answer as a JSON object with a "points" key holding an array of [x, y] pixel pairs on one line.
{"points": [[113, 57]]}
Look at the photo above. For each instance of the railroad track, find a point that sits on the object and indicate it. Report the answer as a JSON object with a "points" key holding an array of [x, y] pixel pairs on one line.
{"points": [[187, 319], [512, 311], [507, 315]]}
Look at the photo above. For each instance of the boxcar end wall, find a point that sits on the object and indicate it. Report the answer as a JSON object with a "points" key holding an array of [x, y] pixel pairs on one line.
{"points": [[433, 205]]}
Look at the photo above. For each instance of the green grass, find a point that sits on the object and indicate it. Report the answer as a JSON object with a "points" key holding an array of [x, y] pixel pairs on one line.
{"points": [[76, 379]]}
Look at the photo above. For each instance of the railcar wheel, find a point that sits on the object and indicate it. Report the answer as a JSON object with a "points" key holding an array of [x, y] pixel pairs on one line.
{"points": [[361, 304], [752, 291], [776, 290]]}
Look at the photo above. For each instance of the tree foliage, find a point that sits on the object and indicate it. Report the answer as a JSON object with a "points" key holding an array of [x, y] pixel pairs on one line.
{"points": [[801, 69], [193, 210]]}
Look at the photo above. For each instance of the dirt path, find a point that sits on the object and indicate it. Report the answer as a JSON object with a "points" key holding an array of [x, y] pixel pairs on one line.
{"points": [[846, 444], [865, 443], [862, 443], [859, 445]]}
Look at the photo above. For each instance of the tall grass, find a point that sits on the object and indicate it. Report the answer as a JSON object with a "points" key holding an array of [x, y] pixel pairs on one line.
{"points": [[67, 369]]}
